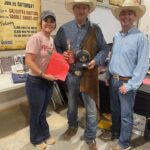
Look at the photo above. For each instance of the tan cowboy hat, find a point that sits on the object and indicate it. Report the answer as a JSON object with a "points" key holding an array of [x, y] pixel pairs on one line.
{"points": [[130, 5], [69, 4]]}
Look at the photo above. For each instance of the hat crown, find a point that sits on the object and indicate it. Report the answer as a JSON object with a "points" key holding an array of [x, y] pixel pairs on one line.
{"points": [[46, 13], [131, 3], [70, 3]]}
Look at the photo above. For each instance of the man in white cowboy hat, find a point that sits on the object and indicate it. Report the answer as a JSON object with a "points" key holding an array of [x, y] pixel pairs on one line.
{"points": [[83, 35], [127, 68]]}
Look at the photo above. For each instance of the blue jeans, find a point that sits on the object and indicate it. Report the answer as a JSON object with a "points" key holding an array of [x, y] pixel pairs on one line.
{"points": [[73, 84], [39, 93], [122, 112]]}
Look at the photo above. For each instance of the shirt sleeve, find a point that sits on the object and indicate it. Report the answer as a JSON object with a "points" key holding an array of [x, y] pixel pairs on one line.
{"points": [[33, 45], [103, 47], [142, 64]]}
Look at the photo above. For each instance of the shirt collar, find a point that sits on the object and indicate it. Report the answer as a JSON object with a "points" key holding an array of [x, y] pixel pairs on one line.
{"points": [[83, 25], [132, 30]]}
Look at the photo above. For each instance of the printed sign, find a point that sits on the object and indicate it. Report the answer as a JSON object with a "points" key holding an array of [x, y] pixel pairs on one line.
{"points": [[19, 19]]}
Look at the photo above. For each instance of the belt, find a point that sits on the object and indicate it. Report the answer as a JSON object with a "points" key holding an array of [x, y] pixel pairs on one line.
{"points": [[117, 77]]}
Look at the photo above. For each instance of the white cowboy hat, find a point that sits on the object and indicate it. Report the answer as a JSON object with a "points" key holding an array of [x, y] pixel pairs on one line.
{"points": [[69, 4], [129, 5]]}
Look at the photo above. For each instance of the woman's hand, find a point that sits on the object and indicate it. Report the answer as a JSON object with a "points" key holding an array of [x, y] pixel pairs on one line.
{"points": [[49, 77]]}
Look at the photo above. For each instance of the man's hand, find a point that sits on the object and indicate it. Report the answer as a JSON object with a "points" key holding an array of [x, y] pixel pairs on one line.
{"points": [[69, 56], [65, 54], [123, 89], [91, 64]]}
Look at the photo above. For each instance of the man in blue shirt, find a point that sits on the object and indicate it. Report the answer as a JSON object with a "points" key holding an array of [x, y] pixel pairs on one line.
{"points": [[82, 35], [128, 67]]}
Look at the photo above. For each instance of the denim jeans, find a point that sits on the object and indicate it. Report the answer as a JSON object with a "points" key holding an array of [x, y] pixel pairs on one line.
{"points": [[122, 112], [73, 84], [39, 93]]}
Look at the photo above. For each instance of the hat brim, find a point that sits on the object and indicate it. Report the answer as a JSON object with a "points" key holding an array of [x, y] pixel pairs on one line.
{"points": [[139, 10], [69, 6]]}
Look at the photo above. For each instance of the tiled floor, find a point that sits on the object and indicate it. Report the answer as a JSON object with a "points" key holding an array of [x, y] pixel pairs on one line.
{"points": [[14, 131]]}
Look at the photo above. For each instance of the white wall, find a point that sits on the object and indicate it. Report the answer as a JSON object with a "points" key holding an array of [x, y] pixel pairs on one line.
{"points": [[58, 7], [144, 23], [108, 23]]}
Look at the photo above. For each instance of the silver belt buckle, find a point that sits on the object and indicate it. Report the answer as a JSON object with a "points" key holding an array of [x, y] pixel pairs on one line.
{"points": [[115, 76]]}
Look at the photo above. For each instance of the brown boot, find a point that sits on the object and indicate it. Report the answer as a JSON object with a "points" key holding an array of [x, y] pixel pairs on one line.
{"points": [[69, 133], [92, 146]]}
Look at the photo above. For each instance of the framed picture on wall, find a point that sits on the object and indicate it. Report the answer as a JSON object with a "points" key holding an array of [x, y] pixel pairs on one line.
{"points": [[18, 21], [5, 63], [109, 3], [116, 2]]}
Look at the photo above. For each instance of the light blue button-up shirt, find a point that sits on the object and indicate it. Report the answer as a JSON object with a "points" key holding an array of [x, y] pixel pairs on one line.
{"points": [[130, 57]]}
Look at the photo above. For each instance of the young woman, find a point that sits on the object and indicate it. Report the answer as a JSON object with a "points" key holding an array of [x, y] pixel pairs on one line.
{"points": [[39, 86]]}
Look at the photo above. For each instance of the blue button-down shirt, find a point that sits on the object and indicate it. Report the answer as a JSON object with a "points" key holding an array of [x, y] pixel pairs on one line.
{"points": [[130, 57], [76, 34]]}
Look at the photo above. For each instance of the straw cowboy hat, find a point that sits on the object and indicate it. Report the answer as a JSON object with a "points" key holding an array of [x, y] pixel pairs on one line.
{"points": [[69, 4], [130, 5]]}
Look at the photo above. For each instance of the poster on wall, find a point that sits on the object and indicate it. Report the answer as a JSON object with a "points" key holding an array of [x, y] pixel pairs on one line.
{"points": [[116, 2], [110, 3], [19, 19]]}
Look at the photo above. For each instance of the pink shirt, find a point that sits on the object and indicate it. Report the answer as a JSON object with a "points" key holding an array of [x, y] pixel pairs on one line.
{"points": [[41, 46]]}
